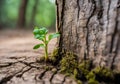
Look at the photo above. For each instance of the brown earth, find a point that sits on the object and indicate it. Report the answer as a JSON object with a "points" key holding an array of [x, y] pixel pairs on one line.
{"points": [[18, 60]]}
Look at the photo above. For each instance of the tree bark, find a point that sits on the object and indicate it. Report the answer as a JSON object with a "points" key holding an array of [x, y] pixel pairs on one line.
{"points": [[91, 30], [22, 13]]}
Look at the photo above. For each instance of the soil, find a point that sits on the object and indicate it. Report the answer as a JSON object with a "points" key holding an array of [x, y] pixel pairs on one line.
{"points": [[18, 60]]}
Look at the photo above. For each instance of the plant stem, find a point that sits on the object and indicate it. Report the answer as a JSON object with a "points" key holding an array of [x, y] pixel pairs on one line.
{"points": [[46, 50], [46, 53]]}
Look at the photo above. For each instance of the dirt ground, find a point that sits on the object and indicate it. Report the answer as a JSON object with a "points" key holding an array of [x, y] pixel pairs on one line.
{"points": [[18, 60]]}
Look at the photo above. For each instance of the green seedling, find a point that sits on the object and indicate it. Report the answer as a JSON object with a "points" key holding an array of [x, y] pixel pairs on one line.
{"points": [[41, 34]]}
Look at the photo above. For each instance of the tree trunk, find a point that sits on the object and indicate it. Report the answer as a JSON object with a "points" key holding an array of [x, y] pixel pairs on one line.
{"points": [[22, 13], [33, 13], [91, 30], [1, 12]]}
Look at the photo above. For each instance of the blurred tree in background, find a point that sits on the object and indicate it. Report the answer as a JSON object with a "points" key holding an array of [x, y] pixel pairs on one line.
{"points": [[1, 12], [22, 13], [33, 12]]}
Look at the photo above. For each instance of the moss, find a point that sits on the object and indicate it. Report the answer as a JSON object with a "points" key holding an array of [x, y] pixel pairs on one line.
{"points": [[40, 59], [90, 75], [92, 81], [75, 73], [85, 64], [84, 67], [104, 74], [68, 63], [55, 52], [79, 82], [54, 57], [84, 71], [97, 70], [47, 68]]}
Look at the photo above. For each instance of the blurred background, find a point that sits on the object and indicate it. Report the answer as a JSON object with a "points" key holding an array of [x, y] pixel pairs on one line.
{"points": [[25, 14], [17, 20]]}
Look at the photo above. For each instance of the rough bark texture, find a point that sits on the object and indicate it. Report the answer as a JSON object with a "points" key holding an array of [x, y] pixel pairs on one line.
{"points": [[90, 29], [22, 13]]}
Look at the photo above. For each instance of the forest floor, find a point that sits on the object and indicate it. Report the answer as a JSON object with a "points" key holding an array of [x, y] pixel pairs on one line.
{"points": [[18, 60]]}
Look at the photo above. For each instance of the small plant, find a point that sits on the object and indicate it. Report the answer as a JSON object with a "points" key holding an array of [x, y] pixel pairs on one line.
{"points": [[41, 34]]}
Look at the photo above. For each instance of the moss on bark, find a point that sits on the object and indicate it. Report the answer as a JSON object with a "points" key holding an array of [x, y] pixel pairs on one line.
{"points": [[84, 71]]}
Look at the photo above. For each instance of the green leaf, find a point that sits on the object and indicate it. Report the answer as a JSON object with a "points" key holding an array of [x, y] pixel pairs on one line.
{"points": [[38, 46], [37, 36], [43, 30], [36, 31], [40, 37], [40, 31], [55, 35]]}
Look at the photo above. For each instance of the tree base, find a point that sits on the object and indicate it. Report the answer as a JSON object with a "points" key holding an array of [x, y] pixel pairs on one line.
{"points": [[84, 70]]}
